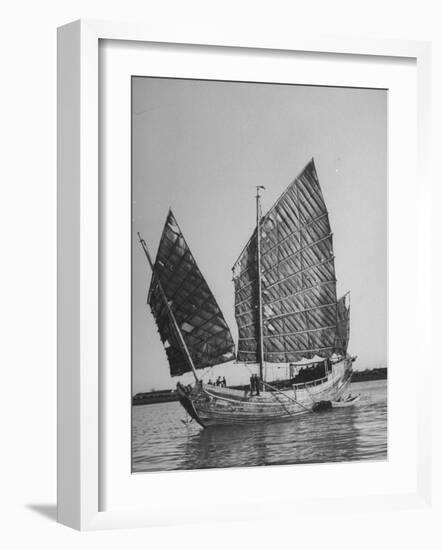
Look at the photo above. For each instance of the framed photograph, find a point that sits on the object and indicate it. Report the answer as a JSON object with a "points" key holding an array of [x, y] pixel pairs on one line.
{"points": [[241, 261], [212, 149]]}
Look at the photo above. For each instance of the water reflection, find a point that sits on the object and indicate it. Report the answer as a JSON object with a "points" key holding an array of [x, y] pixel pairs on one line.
{"points": [[160, 441]]}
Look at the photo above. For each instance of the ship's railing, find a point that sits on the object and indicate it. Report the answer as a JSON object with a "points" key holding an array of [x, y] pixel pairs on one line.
{"points": [[223, 390], [226, 391], [312, 383]]}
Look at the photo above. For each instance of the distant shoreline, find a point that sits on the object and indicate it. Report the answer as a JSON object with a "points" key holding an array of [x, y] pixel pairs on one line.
{"points": [[369, 374], [165, 396]]}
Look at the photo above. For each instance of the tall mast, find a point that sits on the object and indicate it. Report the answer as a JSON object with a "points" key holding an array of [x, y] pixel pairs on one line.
{"points": [[169, 311], [258, 245]]}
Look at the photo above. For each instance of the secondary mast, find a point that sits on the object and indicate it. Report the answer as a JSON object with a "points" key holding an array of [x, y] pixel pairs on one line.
{"points": [[169, 311], [258, 245]]}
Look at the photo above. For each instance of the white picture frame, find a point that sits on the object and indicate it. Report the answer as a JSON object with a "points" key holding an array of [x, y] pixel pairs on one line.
{"points": [[79, 269]]}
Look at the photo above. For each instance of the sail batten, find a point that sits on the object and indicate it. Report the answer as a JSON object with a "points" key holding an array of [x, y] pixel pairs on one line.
{"points": [[331, 327], [299, 302], [291, 275], [293, 313], [293, 295], [292, 256], [198, 317]]}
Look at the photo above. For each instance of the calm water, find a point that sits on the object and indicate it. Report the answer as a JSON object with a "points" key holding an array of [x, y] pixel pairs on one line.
{"points": [[162, 442]]}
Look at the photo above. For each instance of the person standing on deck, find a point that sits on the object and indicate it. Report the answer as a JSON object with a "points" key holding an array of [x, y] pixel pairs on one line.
{"points": [[252, 384]]}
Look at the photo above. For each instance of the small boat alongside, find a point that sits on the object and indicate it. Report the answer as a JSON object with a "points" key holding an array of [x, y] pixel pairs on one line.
{"points": [[286, 308], [347, 401]]}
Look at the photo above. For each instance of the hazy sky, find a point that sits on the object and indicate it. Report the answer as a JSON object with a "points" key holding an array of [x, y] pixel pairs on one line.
{"points": [[201, 147]]}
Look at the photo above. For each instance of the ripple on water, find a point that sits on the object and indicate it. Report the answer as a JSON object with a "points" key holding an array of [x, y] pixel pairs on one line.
{"points": [[160, 441]]}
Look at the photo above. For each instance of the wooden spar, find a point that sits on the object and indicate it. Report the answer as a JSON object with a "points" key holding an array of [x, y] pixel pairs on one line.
{"points": [[258, 245], [169, 311]]}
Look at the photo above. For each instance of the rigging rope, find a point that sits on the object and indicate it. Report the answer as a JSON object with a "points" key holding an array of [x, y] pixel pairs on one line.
{"points": [[285, 395]]}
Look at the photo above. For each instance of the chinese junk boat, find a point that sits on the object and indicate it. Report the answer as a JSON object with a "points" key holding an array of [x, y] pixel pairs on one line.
{"points": [[286, 308]]}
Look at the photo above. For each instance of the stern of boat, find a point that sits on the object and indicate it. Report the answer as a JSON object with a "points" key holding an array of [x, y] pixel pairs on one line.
{"points": [[343, 370]]}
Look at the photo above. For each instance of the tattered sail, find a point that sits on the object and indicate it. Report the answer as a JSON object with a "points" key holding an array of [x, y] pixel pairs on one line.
{"points": [[298, 279], [342, 325], [194, 307]]}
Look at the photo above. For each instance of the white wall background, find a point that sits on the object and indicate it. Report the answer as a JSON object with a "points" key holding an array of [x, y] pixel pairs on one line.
{"points": [[28, 266]]}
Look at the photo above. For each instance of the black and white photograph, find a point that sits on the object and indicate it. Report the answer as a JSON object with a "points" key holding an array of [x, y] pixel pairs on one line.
{"points": [[259, 274], [221, 259]]}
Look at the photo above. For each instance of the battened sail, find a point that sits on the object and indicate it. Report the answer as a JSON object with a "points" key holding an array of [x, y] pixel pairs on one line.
{"points": [[299, 306], [198, 316]]}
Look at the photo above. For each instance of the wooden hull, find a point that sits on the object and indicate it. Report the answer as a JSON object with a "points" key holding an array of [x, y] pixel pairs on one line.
{"points": [[212, 405]]}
